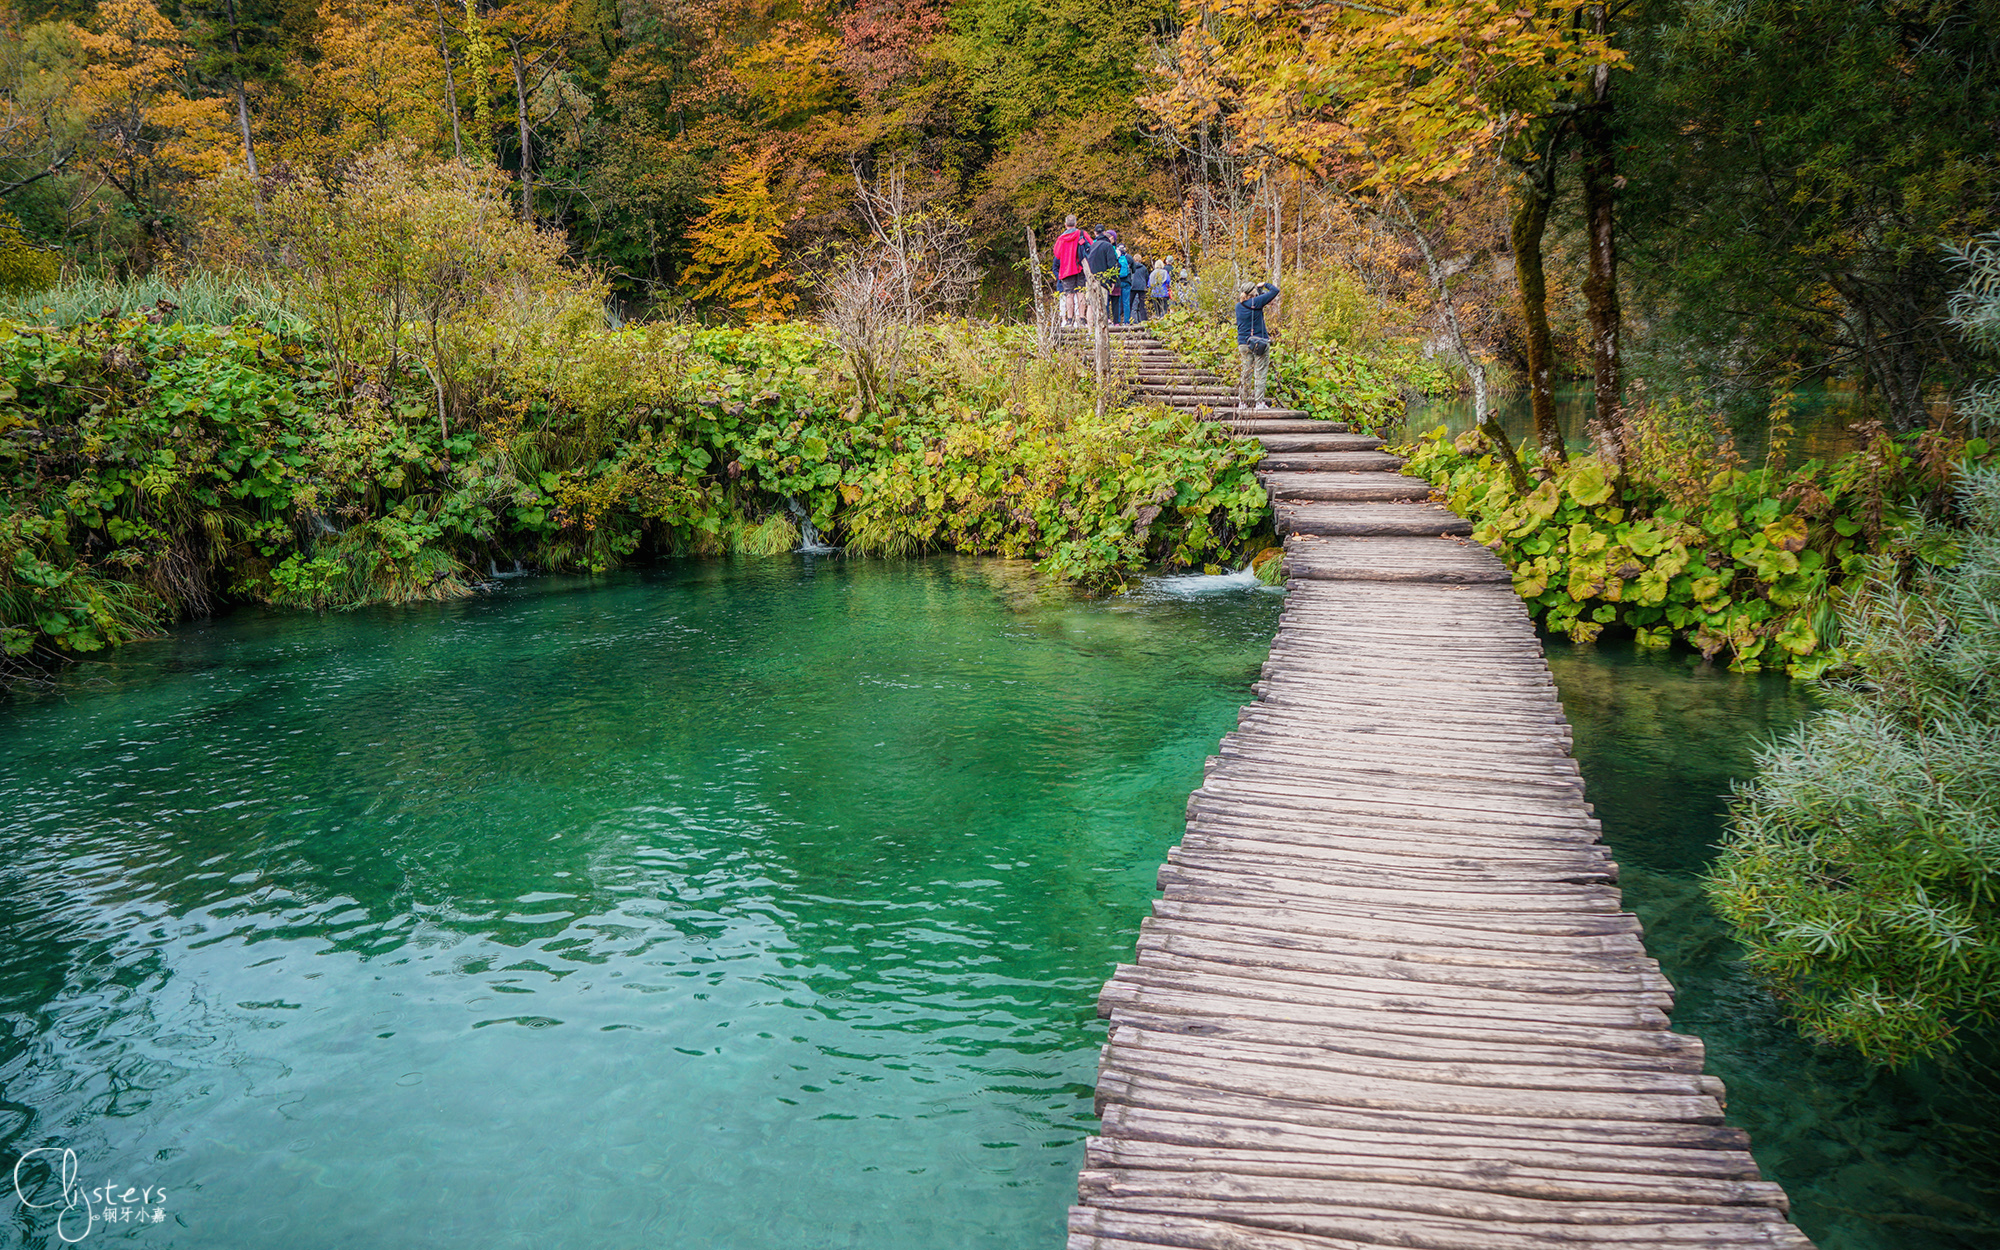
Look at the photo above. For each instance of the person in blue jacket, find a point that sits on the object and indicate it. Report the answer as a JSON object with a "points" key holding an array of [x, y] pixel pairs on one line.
{"points": [[1253, 343], [1135, 290]]}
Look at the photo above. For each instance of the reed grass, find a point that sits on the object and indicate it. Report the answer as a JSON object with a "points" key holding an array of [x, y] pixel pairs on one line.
{"points": [[197, 298]]}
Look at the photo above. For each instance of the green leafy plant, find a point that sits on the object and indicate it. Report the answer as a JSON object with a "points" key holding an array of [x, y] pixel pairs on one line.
{"points": [[1861, 867], [1691, 546]]}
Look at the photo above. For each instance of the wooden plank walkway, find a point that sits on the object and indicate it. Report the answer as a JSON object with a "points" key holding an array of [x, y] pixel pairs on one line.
{"points": [[1388, 996]]}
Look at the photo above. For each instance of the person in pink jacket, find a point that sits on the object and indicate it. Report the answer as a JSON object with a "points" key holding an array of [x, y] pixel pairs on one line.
{"points": [[1070, 247]]}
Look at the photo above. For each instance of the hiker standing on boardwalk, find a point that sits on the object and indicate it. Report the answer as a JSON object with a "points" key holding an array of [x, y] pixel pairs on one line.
{"points": [[1103, 260], [1069, 272], [1135, 290], [1253, 343], [1162, 285]]}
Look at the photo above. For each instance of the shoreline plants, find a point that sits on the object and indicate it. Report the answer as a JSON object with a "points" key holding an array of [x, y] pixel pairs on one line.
{"points": [[1753, 564], [1861, 864]]}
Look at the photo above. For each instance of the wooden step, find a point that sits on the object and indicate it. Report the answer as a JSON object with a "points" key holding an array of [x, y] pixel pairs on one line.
{"points": [[1253, 426], [1333, 461], [1276, 443], [1370, 519], [1438, 560], [1349, 487]]}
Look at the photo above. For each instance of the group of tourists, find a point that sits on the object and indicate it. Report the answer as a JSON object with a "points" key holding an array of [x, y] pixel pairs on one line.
{"points": [[1094, 264]]}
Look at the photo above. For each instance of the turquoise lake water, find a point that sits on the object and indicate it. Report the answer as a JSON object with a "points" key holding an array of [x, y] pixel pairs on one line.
{"points": [[757, 904], [1873, 1160]]}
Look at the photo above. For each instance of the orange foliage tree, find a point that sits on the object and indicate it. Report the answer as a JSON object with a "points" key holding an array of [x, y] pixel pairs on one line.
{"points": [[739, 246], [147, 138]]}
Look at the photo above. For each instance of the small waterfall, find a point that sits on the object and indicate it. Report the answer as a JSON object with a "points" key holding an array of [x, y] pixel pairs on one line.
{"points": [[809, 542], [493, 570]]}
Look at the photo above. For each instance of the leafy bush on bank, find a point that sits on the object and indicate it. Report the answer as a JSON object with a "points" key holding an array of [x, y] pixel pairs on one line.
{"points": [[1691, 545], [1861, 863], [153, 470]]}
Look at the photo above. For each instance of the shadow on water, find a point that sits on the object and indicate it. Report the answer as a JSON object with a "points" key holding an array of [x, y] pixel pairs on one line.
{"points": [[1873, 1160]]}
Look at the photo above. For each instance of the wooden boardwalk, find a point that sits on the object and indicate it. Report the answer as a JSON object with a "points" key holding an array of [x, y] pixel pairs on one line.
{"points": [[1388, 996]]}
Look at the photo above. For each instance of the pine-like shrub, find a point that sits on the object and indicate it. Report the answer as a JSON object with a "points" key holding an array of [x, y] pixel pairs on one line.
{"points": [[1863, 861]]}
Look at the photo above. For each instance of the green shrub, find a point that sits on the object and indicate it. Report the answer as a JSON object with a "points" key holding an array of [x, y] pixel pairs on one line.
{"points": [[1862, 869], [23, 265], [1689, 545]]}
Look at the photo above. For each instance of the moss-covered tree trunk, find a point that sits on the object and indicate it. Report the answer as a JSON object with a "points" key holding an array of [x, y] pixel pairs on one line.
{"points": [[1600, 286], [1531, 219]]}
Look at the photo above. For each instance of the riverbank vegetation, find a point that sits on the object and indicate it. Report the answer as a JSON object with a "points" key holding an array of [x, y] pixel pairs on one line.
{"points": [[159, 470], [436, 393], [1690, 544], [1860, 865]]}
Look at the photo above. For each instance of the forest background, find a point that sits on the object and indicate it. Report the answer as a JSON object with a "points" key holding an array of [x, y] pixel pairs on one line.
{"points": [[1765, 191]]}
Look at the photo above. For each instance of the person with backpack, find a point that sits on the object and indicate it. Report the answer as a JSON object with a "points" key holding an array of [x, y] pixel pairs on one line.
{"points": [[1253, 343], [1161, 286], [1121, 303], [1103, 262]]}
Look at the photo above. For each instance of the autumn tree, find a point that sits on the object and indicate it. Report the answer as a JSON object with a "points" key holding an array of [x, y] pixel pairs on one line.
{"points": [[145, 135], [1795, 167], [40, 126], [739, 246], [372, 76], [1392, 103]]}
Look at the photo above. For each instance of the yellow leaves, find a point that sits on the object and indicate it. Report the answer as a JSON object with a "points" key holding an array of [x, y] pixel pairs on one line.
{"points": [[738, 247], [129, 92], [792, 76], [373, 77]]}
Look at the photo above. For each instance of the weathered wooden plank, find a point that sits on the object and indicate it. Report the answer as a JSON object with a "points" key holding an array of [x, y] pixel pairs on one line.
{"points": [[1354, 1036], [1552, 896], [1389, 1094], [1453, 1177], [1487, 1073], [1269, 1197], [1490, 1173], [1335, 461], [1178, 973], [1665, 1157], [1369, 559], [1401, 803], [1277, 442], [1317, 958], [1343, 518], [1093, 1228], [1419, 933], [1390, 863], [1352, 487], [1167, 1095], [1494, 925]]}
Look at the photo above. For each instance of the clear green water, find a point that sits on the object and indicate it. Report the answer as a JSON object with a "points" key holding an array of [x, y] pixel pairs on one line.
{"points": [[759, 905], [1872, 1160]]}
